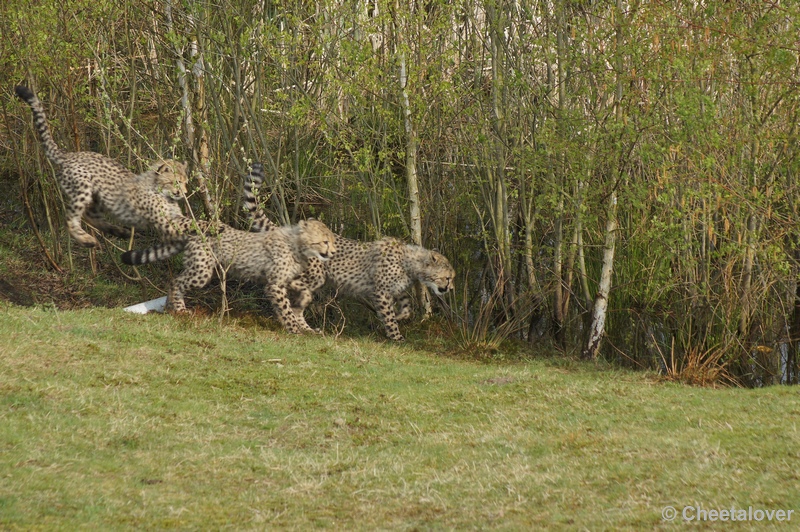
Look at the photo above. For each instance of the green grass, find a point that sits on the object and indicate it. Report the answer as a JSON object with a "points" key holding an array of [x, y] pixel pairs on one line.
{"points": [[114, 421]]}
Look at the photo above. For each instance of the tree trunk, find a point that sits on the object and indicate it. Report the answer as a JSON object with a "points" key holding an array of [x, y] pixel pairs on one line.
{"points": [[747, 280], [423, 297], [597, 329], [587, 294], [561, 292], [558, 273], [792, 376], [188, 119], [501, 219], [600, 307], [201, 156]]}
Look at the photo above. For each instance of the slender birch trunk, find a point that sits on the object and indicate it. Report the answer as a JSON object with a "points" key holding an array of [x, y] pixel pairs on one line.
{"points": [[411, 158], [528, 219], [558, 273], [201, 156], [600, 307], [750, 229], [423, 297], [569, 267], [501, 220], [561, 292], [188, 119]]}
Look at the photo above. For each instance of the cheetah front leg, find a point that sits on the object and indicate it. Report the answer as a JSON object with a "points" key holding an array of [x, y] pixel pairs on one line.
{"points": [[283, 308], [403, 308], [384, 306], [301, 299]]}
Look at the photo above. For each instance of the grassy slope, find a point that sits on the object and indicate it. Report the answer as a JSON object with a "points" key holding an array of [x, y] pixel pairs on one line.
{"points": [[114, 420]]}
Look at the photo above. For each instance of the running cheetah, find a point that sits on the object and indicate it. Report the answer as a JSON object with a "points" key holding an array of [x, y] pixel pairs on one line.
{"points": [[275, 258], [94, 185], [380, 272]]}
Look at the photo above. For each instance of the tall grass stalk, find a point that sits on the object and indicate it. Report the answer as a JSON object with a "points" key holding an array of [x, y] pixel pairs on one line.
{"points": [[698, 367], [482, 332]]}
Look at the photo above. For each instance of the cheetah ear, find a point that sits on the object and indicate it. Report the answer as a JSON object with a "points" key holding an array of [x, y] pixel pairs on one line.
{"points": [[163, 169]]}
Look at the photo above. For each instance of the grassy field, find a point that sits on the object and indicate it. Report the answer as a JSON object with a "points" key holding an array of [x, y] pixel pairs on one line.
{"points": [[111, 421]]}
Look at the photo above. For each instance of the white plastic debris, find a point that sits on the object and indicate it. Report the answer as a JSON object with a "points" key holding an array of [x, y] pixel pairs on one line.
{"points": [[143, 308]]}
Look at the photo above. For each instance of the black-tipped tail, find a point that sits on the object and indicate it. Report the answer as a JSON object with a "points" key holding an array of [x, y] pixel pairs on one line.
{"points": [[152, 254], [25, 93], [51, 149]]}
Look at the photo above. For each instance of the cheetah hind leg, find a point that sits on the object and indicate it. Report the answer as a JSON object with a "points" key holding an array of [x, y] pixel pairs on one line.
{"points": [[196, 274], [95, 218], [384, 306], [76, 207]]}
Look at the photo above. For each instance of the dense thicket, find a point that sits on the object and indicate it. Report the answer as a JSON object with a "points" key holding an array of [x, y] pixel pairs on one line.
{"points": [[545, 144]]}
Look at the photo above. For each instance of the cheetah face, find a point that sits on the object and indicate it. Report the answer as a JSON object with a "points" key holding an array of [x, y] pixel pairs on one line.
{"points": [[438, 274], [171, 179], [317, 240]]}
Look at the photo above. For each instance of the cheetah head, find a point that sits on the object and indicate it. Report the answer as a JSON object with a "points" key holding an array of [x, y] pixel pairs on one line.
{"points": [[436, 273], [170, 178], [316, 240]]}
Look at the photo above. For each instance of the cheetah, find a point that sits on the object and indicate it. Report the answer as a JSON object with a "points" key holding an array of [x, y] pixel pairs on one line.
{"points": [[275, 258], [380, 272], [94, 185]]}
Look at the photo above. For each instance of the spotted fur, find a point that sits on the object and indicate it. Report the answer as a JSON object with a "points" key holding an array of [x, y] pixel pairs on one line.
{"points": [[96, 187], [380, 272], [274, 258]]}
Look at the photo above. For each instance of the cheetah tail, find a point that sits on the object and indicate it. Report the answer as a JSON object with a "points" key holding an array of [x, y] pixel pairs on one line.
{"points": [[51, 149], [155, 253], [258, 220]]}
